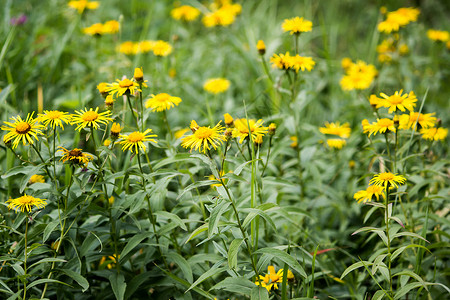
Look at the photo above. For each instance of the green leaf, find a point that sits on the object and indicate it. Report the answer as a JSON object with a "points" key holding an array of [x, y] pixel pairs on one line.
{"points": [[292, 262], [233, 251], [186, 284], [259, 293], [196, 185], [401, 249], [118, 285], [173, 217], [133, 242], [197, 231], [182, 264], [8, 290], [212, 166], [215, 269], [236, 285], [378, 295], [40, 281], [49, 229], [136, 282], [411, 234], [46, 260], [355, 266], [215, 216], [257, 212], [77, 277]]}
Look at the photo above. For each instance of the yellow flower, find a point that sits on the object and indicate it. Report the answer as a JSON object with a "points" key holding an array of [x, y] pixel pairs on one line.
{"points": [[36, 178], [180, 133], [272, 279], [272, 128], [161, 48], [436, 134], [102, 88], [127, 48], [396, 19], [54, 118], [424, 120], [143, 46], [121, 87], [95, 29], [296, 25], [109, 261], [115, 130], [375, 101], [224, 16], [346, 62], [75, 156], [261, 47], [342, 131], [26, 202], [294, 140], [358, 76], [336, 143], [138, 74], [162, 102], [81, 5], [399, 101], [301, 62], [185, 13], [109, 102], [438, 35], [203, 138], [228, 120], [111, 27], [387, 178], [367, 194], [22, 130], [216, 85], [380, 126], [221, 173], [90, 118], [135, 140], [281, 61], [242, 126], [107, 142]]}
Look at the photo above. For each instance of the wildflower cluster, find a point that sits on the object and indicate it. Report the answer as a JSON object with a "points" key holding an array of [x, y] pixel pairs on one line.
{"points": [[158, 48], [399, 18], [358, 76], [339, 133], [99, 29], [222, 13]]}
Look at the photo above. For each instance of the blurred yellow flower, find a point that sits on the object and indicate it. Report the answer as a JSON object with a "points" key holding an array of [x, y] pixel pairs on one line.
{"points": [[294, 140], [127, 48], [22, 130], [298, 62], [54, 118], [26, 202], [216, 85], [261, 47], [94, 29], [228, 120], [438, 35], [161, 48], [436, 134], [296, 25], [367, 194], [110, 27], [203, 138], [36, 178], [180, 133], [161, 102], [336, 143], [424, 120], [337, 129], [387, 178], [124, 86], [242, 128], [185, 13], [398, 101], [135, 140], [281, 61], [396, 19], [90, 118], [81, 5], [358, 76], [115, 130]]}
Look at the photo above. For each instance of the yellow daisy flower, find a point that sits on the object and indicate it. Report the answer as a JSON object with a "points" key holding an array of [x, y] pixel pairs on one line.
{"points": [[36, 178], [438, 35], [127, 48], [216, 85], [180, 133], [95, 29], [110, 27], [387, 178], [424, 120], [90, 118], [399, 101], [296, 25], [185, 13], [203, 138], [380, 126], [367, 194], [54, 118], [301, 62], [121, 87], [281, 61], [22, 130], [145, 46], [161, 48], [229, 121], [26, 202], [358, 76], [102, 88], [342, 131], [436, 134], [336, 143], [161, 102], [135, 140], [75, 156], [81, 5], [242, 126], [272, 279]]}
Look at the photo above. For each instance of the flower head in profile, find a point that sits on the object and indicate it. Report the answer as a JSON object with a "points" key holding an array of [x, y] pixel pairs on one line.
{"points": [[386, 179], [337, 129], [204, 138], [22, 130], [408, 121], [121, 87], [161, 102], [135, 140], [399, 18], [242, 128], [368, 194], [438, 35], [81, 5], [26, 202], [296, 25], [336, 143], [90, 118], [216, 85], [54, 118], [229, 121], [185, 13], [399, 101], [161, 48], [434, 134], [36, 179], [380, 126], [76, 156]]}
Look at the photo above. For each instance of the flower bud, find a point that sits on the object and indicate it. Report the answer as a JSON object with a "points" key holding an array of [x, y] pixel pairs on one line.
{"points": [[115, 131], [228, 134], [272, 128], [261, 47], [194, 126], [258, 140], [228, 120], [102, 88], [109, 102], [138, 75]]}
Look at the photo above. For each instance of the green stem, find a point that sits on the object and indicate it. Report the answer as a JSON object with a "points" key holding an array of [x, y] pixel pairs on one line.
{"points": [[210, 116], [267, 158], [387, 145], [388, 239], [54, 156], [142, 108], [45, 166], [26, 257], [167, 124], [132, 111]]}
